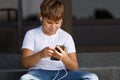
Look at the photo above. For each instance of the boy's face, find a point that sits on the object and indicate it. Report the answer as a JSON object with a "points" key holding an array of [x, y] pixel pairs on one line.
{"points": [[50, 26]]}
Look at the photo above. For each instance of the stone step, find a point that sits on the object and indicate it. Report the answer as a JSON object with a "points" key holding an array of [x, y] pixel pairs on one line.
{"points": [[85, 59], [104, 64], [105, 73], [11, 74], [98, 59]]}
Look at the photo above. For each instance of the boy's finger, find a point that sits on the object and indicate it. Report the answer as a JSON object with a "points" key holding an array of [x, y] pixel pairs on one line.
{"points": [[60, 54]]}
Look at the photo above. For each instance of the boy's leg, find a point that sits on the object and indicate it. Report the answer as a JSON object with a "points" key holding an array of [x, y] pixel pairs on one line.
{"points": [[36, 75], [80, 75]]}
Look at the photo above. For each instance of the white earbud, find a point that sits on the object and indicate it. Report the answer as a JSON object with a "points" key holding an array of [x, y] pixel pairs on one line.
{"points": [[40, 18]]}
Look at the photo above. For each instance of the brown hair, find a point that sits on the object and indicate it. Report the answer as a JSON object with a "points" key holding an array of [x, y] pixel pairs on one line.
{"points": [[52, 9]]}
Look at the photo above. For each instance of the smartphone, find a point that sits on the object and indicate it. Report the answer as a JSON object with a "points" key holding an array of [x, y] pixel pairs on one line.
{"points": [[53, 58]]}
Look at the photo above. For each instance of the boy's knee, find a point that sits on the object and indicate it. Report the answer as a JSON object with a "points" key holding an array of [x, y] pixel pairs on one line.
{"points": [[94, 77], [90, 76], [28, 77]]}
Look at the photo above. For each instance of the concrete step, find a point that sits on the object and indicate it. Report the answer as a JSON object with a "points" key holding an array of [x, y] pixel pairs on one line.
{"points": [[85, 59], [104, 64], [11, 74], [98, 59], [105, 73]]}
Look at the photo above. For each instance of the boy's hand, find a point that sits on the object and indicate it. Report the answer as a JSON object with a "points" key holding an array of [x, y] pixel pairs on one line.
{"points": [[59, 52], [47, 52]]}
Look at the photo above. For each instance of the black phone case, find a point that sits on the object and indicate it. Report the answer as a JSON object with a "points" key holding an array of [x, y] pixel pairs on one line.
{"points": [[53, 58]]}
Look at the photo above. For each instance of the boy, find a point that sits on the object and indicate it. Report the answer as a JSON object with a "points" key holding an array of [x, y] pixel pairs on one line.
{"points": [[42, 43]]}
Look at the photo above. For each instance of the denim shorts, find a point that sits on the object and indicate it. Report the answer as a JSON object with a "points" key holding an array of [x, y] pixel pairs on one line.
{"points": [[39, 74]]}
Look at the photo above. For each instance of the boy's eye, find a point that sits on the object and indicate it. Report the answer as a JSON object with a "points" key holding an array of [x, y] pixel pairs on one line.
{"points": [[49, 22], [52, 23], [57, 23]]}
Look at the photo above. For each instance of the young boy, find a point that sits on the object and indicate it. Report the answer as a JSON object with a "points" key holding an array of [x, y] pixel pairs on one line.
{"points": [[41, 46]]}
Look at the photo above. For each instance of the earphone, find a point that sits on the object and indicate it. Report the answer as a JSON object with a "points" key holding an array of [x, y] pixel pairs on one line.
{"points": [[40, 18]]}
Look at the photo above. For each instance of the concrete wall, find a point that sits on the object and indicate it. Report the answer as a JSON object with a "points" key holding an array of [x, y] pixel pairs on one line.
{"points": [[97, 35], [84, 36]]}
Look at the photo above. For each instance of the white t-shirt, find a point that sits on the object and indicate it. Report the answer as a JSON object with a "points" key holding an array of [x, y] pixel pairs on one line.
{"points": [[36, 40]]}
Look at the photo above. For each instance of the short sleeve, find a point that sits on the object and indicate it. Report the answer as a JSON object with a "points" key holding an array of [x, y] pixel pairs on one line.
{"points": [[70, 45], [28, 41]]}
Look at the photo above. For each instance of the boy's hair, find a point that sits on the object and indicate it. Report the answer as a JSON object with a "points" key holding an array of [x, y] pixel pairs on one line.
{"points": [[52, 9]]}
